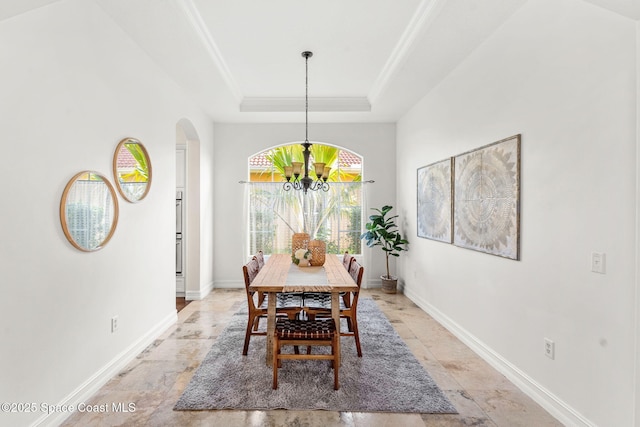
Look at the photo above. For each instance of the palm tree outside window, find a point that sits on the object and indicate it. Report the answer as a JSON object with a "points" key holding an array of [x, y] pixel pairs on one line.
{"points": [[275, 214]]}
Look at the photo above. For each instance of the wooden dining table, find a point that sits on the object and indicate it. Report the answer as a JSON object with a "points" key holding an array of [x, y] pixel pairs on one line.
{"points": [[279, 275]]}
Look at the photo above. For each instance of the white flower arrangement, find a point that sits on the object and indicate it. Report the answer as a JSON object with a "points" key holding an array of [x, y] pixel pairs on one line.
{"points": [[301, 254]]}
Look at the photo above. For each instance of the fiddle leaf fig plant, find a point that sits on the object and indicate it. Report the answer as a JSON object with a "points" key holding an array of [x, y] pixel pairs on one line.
{"points": [[383, 231]]}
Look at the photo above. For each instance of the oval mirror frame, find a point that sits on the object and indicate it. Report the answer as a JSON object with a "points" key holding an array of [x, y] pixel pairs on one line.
{"points": [[89, 229], [132, 170]]}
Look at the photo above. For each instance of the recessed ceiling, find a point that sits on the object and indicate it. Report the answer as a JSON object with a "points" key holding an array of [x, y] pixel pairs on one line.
{"points": [[261, 42], [373, 59]]}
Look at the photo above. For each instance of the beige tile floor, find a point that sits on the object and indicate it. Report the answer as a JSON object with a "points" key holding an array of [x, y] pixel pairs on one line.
{"points": [[156, 379]]}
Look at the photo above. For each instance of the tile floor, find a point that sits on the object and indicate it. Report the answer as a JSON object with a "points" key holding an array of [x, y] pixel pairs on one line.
{"points": [[155, 380]]}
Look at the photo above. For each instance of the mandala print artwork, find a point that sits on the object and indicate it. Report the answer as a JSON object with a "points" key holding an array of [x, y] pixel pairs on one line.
{"points": [[487, 198], [434, 201]]}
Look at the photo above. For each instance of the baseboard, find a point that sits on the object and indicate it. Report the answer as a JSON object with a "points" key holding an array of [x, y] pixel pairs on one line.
{"points": [[199, 294], [229, 284], [87, 389], [545, 398], [371, 284]]}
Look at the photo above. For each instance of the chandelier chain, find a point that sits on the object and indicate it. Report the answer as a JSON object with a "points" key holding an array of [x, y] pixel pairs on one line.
{"points": [[306, 99]]}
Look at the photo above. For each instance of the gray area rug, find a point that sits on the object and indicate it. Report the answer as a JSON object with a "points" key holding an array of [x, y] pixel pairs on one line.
{"points": [[387, 378]]}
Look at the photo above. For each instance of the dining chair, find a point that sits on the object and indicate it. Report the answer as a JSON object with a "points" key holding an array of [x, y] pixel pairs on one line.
{"points": [[350, 313], [308, 333], [288, 305]]}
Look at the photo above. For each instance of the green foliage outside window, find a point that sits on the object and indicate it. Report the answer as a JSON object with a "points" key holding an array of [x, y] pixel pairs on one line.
{"points": [[334, 216]]}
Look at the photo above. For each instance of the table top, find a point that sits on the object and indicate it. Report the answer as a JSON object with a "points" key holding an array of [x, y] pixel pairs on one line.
{"points": [[274, 276]]}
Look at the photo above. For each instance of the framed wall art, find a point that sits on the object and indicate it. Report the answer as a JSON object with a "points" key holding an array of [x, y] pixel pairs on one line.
{"points": [[486, 208], [434, 201]]}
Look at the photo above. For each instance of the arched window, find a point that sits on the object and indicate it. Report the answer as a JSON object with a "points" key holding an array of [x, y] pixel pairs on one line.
{"points": [[274, 214]]}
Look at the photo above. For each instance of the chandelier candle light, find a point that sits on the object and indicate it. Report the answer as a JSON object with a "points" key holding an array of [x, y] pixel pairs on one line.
{"points": [[292, 173]]}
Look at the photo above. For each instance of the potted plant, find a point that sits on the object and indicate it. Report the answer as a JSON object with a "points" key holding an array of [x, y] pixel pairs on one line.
{"points": [[383, 231]]}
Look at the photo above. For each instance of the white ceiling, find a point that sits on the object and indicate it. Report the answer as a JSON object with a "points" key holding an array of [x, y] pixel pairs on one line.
{"points": [[372, 59]]}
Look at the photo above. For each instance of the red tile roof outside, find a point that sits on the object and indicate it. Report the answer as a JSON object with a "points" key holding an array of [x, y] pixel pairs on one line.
{"points": [[346, 160], [126, 160]]}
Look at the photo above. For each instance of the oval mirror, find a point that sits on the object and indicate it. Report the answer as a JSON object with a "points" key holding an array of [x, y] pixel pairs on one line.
{"points": [[132, 170], [89, 211]]}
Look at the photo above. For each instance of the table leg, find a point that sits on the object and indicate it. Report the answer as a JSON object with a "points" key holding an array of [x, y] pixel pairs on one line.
{"points": [[335, 313], [271, 325]]}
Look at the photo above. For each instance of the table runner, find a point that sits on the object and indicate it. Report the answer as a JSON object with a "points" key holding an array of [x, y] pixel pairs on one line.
{"points": [[312, 279]]}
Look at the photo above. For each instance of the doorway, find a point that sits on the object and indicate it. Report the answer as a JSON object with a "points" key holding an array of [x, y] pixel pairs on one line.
{"points": [[181, 184], [188, 183]]}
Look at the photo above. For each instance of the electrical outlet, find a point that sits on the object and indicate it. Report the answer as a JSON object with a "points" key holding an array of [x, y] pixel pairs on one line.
{"points": [[114, 324], [598, 264], [549, 348]]}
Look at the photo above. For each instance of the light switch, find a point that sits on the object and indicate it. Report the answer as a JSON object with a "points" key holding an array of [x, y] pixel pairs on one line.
{"points": [[598, 264]]}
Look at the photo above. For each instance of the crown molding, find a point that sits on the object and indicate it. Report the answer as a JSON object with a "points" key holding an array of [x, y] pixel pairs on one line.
{"points": [[320, 104], [194, 17], [426, 12]]}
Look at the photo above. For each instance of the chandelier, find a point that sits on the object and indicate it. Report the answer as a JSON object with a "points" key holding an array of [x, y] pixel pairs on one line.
{"points": [[292, 173]]}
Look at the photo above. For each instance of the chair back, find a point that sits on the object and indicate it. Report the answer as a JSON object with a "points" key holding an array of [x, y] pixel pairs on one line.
{"points": [[356, 271], [260, 257], [250, 271], [346, 259]]}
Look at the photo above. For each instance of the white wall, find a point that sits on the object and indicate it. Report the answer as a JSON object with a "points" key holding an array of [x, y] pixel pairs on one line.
{"points": [[563, 74], [235, 143], [73, 85], [207, 203], [637, 247]]}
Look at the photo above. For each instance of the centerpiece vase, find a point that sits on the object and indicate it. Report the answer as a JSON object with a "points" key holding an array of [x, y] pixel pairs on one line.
{"points": [[299, 241], [318, 249]]}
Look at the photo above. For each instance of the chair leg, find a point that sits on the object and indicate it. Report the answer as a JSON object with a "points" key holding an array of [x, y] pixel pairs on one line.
{"points": [[247, 336], [276, 351], [346, 298], [356, 335], [336, 365]]}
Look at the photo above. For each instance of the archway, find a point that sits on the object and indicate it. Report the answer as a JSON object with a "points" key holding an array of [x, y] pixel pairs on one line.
{"points": [[188, 186]]}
